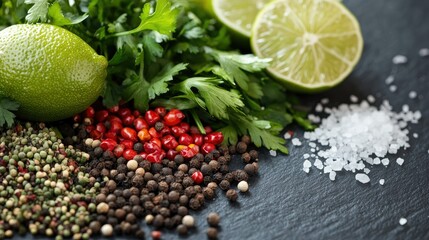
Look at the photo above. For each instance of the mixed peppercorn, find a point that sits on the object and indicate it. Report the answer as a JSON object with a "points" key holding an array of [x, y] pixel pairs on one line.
{"points": [[152, 166]]}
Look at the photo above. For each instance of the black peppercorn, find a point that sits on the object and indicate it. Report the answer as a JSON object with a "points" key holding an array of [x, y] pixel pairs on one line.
{"points": [[241, 147], [165, 212], [246, 139], [224, 185], [183, 200], [138, 147], [187, 181], [134, 200], [120, 213], [159, 126], [214, 164], [212, 233], [111, 185], [146, 165], [208, 157], [222, 160], [182, 229], [148, 205], [126, 193], [158, 221], [134, 191], [173, 208], [192, 171], [120, 177], [156, 168], [95, 226], [118, 193], [166, 171], [152, 185], [179, 159], [208, 193], [194, 204], [111, 198], [173, 196], [163, 186], [182, 211], [138, 210], [213, 219], [207, 179], [216, 154], [229, 177], [232, 149], [122, 168], [100, 198], [206, 169], [131, 218], [190, 191], [240, 175], [223, 149], [224, 169], [148, 176], [140, 234], [125, 227], [183, 168], [245, 157], [176, 187], [250, 169], [254, 155], [232, 195]]}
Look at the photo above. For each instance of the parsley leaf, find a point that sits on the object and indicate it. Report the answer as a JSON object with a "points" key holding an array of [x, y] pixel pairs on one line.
{"points": [[38, 11], [162, 20], [234, 63], [136, 88], [258, 130], [217, 100], [6, 108], [59, 19], [159, 84]]}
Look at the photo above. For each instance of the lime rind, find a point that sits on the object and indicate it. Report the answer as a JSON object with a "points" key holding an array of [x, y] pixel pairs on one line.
{"points": [[317, 85]]}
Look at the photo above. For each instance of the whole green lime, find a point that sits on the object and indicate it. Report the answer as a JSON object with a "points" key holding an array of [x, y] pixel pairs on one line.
{"points": [[52, 73]]}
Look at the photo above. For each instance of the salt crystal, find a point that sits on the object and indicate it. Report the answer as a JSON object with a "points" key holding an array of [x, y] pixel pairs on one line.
{"points": [[403, 221], [385, 161], [424, 52], [393, 88], [363, 178], [381, 181], [324, 101], [273, 153], [354, 99], [319, 108], [296, 142], [332, 175], [399, 59], [307, 170], [415, 135], [307, 164], [400, 161], [354, 136], [371, 99], [412, 94], [377, 161], [287, 135], [390, 79]]}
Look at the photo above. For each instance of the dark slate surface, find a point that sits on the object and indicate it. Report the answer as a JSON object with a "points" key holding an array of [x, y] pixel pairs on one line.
{"points": [[286, 203]]}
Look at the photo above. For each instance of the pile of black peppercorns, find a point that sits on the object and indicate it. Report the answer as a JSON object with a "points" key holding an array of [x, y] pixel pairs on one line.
{"points": [[162, 193]]}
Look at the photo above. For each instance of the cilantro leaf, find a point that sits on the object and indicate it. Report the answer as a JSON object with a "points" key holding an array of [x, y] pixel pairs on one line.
{"points": [[234, 63], [162, 19], [152, 49], [217, 100], [135, 88], [260, 131], [58, 17], [159, 83], [112, 94], [38, 11], [6, 108]]}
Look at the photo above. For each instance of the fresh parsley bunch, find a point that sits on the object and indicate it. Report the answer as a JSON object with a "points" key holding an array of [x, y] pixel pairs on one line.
{"points": [[172, 54]]}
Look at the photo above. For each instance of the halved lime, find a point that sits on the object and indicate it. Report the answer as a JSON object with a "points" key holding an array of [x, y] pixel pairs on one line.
{"points": [[238, 15], [314, 44]]}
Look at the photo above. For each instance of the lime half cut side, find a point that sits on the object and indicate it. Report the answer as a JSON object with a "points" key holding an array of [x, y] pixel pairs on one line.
{"points": [[313, 44], [238, 15]]}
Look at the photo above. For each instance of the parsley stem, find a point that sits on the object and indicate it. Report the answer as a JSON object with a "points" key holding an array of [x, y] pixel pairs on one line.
{"points": [[198, 121]]}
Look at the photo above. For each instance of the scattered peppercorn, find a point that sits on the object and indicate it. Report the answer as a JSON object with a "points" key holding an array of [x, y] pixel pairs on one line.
{"points": [[232, 195], [212, 233], [213, 219]]}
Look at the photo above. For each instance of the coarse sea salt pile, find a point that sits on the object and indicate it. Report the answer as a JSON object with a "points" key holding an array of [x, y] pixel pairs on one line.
{"points": [[355, 136]]}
